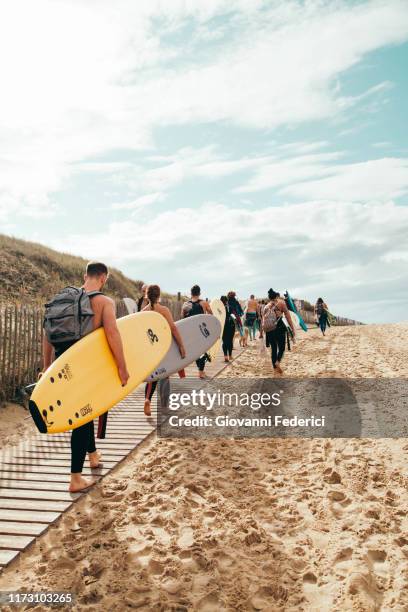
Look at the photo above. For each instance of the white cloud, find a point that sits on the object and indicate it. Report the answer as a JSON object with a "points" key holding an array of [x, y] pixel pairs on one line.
{"points": [[337, 247], [82, 79], [294, 169], [141, 202], [377, 179]]}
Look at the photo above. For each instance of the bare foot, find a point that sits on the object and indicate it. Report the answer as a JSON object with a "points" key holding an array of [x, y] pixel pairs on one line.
{"points": [[202, 375], [79, 483], [278, 368], [226, 359], [95, 459], [147, 408]]}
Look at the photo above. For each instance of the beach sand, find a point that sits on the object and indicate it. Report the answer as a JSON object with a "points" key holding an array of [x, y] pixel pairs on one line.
{"points": [[278, 524], [16, 424]]}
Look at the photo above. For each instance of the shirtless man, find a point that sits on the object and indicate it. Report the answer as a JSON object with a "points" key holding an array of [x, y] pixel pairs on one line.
{"points": [[251, 313], [83, 438]]}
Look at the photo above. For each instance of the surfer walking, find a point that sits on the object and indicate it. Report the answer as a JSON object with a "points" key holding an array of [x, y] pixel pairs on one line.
{"points": [[274, 327], [321, 312], [237, 312], [104, 315], [261, 306], [143, 301], [228, 331], [153, 297], [194, 306], [250, 318]]}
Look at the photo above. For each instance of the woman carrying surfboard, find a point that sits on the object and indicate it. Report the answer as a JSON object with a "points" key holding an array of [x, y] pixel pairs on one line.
{"points": [[153, 297], [274, 327]]}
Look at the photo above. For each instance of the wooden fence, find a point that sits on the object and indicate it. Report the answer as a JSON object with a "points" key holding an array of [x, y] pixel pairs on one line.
{"points": [[20, 347]]}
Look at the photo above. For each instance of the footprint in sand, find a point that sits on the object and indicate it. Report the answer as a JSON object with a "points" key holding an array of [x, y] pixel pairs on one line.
{"points": [[343, 562], [65, 564], [209, 603], [377, 560], [186, 538]]}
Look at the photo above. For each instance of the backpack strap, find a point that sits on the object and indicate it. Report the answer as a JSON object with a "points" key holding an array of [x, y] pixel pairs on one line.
{"points": [[93, 293]]}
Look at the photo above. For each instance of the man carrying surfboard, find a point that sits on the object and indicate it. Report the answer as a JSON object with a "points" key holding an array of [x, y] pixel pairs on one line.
{"points": [[195, 305], [103, 315]]}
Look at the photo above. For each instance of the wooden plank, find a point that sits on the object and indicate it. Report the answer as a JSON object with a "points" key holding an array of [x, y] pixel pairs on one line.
{"points": [[28, 516], [45, 451], [36, 485], [108, 455], [33, 505], [12, 475], [6, 556], [109, 442], [44, 462], [10, 527], [35, 494], [15, 542], [52, 469]]}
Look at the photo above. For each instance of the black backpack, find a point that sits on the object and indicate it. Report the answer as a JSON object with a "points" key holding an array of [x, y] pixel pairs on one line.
{"points": [[69, 316], [195, 309]]}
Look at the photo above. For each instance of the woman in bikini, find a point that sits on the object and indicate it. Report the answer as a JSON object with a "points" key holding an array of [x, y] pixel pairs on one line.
{"points": [[153, 296]]}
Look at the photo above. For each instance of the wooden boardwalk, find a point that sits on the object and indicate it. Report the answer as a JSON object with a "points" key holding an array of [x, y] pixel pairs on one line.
{"points": [[34, 476]]}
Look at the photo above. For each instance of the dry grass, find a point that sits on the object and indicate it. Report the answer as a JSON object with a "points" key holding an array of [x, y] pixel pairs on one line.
{"points": [[30, 273]]}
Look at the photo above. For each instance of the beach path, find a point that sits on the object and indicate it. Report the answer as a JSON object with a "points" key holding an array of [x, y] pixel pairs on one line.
{"points": [[34, 475]]}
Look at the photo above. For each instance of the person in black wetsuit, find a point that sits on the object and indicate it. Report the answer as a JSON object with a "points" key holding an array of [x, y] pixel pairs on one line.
{"points": [[195, 305], [228, 332], [276, 338], [83, 437], [237, 312]]}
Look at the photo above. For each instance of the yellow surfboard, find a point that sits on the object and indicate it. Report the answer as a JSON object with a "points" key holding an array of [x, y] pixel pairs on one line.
{"points": [[84, 383], [218, 310]]}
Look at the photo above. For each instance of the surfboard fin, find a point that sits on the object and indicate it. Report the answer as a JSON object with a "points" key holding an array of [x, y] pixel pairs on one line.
{"points": [[37, 418]]}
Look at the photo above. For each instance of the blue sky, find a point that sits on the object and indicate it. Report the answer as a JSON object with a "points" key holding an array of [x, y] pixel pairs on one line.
{"points": [[238, 145]]}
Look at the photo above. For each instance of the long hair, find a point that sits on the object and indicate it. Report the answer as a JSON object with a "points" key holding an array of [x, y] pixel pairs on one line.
{"points": [[272, 295], [153, 294]]}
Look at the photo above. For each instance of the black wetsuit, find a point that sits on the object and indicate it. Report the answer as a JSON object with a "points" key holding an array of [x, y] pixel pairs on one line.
{"points": [[228, 333], [83, 437], [276, 339]]}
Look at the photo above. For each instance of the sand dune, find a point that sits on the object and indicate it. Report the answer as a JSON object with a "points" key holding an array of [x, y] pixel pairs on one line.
{"points": [[280, 524]]}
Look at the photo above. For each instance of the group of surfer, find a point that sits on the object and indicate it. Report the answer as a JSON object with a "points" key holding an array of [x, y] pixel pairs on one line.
{"points": [[271, 318]]}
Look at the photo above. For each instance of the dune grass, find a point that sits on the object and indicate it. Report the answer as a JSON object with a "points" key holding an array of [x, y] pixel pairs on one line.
{"points": [[30, 273]]}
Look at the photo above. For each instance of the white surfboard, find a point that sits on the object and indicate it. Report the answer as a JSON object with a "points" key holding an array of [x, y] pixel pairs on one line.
{"points": [[218, 310], [130, 305], [199, 333], [295, 320]]}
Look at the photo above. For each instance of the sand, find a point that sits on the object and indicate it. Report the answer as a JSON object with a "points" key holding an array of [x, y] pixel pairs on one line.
{"points": [[16, 424], [280, 524]]}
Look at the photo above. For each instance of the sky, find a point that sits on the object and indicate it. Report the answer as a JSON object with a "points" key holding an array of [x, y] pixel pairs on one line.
{"points": [[238, 145]]}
